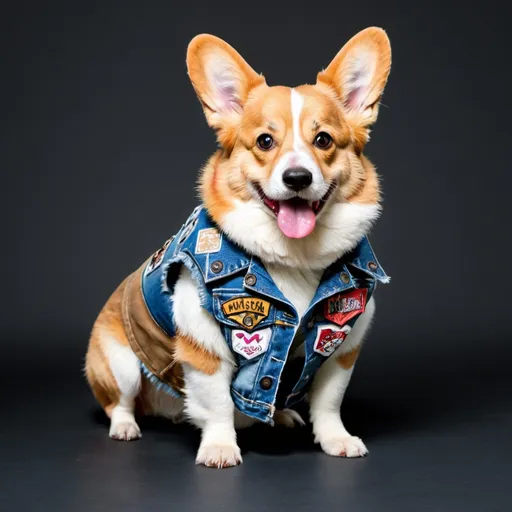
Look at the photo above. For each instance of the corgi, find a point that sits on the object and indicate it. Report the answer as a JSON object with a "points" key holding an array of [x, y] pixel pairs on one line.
{"points": [[264, 296]]}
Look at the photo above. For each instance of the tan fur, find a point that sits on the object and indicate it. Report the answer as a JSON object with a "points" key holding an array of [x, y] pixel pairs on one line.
{"points": [[363, 184], [349, 359], [373, 43], [203, 56], [97, 369], [188, 351], [267, 110]]}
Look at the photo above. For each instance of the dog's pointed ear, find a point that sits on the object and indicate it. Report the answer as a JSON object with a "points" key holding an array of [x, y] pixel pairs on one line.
{"points": [[358, 74], [222, 80]]}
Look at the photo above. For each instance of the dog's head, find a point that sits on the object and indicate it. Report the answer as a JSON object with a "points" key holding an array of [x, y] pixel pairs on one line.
{"points": [[290, 183]]}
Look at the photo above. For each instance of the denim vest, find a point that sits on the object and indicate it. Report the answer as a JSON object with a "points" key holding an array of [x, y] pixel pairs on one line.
{"points": [[258, 322]]}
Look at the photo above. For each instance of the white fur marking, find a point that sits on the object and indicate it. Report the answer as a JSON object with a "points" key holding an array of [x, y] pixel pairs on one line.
{"points": [[339, 227], [124, 364], [297, 285], [123, 426], [209, 406], [126, 370], [299, 157], [193, 320], [327, 392], [297, 104]]}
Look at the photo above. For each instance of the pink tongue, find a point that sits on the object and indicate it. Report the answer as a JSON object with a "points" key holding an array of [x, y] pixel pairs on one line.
{"points": [[296, 218]]}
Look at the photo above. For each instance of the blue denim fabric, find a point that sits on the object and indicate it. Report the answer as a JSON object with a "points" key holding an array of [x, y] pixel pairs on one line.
{"points": [[230, 273]]}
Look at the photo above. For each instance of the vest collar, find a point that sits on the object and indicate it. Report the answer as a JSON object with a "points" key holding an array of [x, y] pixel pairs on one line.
{"points": [[363, 258], [232, 259], [336, 279]]}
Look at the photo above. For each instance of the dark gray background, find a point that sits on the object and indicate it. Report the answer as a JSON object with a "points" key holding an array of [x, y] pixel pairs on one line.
{"points": [[102, 139]]}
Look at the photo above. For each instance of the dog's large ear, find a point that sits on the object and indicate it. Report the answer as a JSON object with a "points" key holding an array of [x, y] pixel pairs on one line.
{"points": [[359, 73], [222, 80]]}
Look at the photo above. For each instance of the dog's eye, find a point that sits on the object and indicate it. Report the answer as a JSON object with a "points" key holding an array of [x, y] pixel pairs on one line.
{"points": [[265, 142], [323, 140]]}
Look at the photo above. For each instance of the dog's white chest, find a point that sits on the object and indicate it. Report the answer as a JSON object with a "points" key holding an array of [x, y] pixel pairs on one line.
{"points": [[297, 285]]}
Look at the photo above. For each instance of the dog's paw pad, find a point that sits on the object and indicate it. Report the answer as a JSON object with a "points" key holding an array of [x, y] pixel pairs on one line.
{"points": [[288, 418], [348, 446], [125, 431], [219, 455]]}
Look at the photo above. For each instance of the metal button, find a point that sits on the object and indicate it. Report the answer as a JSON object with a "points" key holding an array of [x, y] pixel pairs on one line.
{"points": [[372, 265], [248, 321], [216, 266], [250, 279], [266, 383], [345, 278]]}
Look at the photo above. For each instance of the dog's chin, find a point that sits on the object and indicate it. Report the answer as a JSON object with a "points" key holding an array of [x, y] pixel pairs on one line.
{"points": [[338, 228]]}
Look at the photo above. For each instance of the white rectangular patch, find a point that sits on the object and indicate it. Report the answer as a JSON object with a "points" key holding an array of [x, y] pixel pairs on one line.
{"points": [[208, 240]]}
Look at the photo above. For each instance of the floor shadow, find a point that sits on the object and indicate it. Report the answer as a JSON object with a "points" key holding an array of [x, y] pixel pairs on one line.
{"points": [[259, 438], [184, 433], [382, 401], [410, 398]]}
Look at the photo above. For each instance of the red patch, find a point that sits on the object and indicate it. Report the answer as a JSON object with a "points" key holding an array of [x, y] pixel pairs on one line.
{"points": [[328, 339], [344, 306]]}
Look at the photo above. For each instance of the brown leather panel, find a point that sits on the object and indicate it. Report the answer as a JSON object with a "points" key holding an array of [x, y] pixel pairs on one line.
{"points": [[150, 343]]}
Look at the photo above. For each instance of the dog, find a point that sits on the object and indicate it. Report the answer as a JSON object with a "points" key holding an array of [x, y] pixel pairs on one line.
{"points": [[264, 296]]}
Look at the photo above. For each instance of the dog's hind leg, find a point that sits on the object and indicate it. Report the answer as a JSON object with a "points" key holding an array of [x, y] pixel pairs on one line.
{"points": [[125, 368], [113, 370]]}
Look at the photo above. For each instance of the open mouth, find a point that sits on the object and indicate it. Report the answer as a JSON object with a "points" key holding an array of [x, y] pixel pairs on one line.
{"points": [[296, 217]]}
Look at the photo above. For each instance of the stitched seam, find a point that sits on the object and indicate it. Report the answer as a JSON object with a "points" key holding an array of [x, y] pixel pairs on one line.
{"points": [[260, 363], [204, 272], [148, 310], [268, 406], [168, 367], [282, 323], [127, 303], [220, 276]]}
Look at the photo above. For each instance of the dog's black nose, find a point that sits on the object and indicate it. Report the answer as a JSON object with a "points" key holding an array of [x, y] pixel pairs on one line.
{"points": [[297, 178]]}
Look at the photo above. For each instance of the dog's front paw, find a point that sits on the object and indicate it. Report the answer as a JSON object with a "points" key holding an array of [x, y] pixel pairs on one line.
{"points": [[347, 446], [125, 431], [219, 455]]}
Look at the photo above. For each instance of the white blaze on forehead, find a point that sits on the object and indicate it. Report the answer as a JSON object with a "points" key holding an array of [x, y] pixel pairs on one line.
{"points": [[297, 104], [300, 155]]}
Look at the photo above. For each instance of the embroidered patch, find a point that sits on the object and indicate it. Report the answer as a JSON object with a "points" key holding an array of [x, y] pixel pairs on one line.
{"points": [[246, 311], [344, 306], [158, 257], [187, 229], [329, 338], [189, 225], [251, 345], [208, 240]]}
